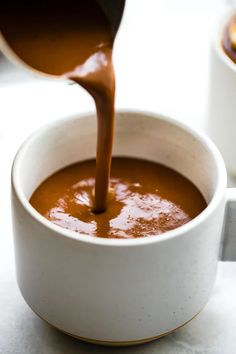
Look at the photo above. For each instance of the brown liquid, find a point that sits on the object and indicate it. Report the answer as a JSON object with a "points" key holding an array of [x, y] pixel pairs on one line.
{"points": [[75, 40], [229, 39], [71, 38], [146, 199]]}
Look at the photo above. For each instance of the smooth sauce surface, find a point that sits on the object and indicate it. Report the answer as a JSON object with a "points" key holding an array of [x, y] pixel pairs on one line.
{"points": [[73, 39], [145, 199]]}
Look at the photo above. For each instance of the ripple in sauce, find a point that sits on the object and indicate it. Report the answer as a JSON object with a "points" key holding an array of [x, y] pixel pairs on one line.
{"points": [[145, 199], [73, 39]]}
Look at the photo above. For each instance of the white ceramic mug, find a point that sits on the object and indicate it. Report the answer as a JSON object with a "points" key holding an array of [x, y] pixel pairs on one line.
{"points": [[222, 96], [115, 291]]}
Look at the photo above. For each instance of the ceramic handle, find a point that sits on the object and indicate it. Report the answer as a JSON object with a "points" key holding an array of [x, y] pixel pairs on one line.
{"points": [[229, 235]]}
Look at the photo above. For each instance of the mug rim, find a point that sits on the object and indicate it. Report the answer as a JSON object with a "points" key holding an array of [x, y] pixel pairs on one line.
{"points": [[217, 38], [219, 192]]}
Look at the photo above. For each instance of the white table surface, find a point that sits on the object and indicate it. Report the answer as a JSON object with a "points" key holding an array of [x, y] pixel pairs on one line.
{"points": [[169, 76]]}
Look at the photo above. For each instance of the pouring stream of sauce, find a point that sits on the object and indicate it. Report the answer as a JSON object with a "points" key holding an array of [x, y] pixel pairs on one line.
{"points": [[72, 39]]}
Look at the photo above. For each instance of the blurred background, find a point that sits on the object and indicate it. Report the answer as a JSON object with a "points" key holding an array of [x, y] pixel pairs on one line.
{"points": [[161, 62], [161, 59]]}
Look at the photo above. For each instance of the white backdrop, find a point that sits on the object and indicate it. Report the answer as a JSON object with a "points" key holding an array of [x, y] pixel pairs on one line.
{"points": [[161, 63]]}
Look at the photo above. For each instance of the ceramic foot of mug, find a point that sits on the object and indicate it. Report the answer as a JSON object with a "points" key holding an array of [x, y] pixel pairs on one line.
{"points": [[117, 290], [118, 343]]}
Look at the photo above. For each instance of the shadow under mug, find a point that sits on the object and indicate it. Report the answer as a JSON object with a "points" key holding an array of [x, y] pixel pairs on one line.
{"points": [[114, 291]]}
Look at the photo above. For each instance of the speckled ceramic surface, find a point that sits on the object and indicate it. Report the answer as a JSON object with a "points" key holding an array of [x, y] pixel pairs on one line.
{"points": [[118, 290]]}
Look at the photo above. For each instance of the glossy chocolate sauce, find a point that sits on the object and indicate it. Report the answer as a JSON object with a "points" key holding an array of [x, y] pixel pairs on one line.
{"points": [[229, 39], [71, 38], [145, 199]]}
